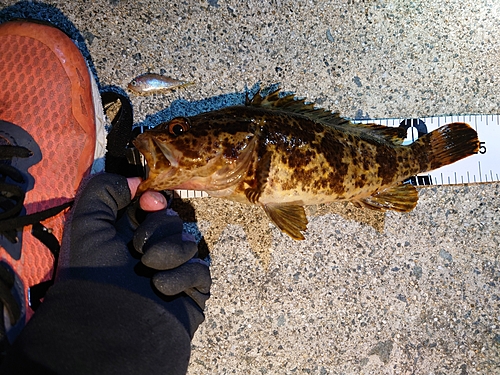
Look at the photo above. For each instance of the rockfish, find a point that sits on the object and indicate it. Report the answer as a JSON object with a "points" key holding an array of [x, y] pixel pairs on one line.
{"points": [[283, 154]]}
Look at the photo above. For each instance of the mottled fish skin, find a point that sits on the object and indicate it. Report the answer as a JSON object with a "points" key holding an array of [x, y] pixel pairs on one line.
{"points": [[151, 83], [282, 154]]}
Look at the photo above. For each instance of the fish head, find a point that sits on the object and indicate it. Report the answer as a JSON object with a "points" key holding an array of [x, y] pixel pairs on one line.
{"points": [[136, 85], [146, 83], [196, 155]]}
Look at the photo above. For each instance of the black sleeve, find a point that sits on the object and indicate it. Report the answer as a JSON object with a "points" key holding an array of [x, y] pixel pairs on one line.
{"points": [[85, 327]]}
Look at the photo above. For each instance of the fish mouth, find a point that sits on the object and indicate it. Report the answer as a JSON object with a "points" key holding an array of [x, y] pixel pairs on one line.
{"points": [[157, 154], [167, 152]]}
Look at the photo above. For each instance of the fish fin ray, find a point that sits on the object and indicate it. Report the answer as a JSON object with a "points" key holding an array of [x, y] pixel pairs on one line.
{"points": [[402, 198], [395, 135], [289, 103], [290, 218], [448, 144], [263, 168]]}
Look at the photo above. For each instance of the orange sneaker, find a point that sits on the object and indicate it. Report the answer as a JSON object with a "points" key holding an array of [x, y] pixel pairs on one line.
{"points": [[48, 144]]}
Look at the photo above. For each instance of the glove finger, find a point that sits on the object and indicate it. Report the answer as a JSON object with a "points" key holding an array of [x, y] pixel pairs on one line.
{"points": [[198, 297], [192, 275], [168, 253], [156, 226], [104, 194], [95, 212]]}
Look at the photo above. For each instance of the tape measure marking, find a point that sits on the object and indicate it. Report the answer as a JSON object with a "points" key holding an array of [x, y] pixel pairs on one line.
{"points": [[480, 168]]}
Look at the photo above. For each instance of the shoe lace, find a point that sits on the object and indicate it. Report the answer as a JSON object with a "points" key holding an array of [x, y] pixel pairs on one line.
{"points": [[12, 197], [11, 222]]}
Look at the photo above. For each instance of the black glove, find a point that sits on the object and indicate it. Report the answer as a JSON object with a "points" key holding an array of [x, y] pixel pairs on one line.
{"points": [[159, 238], [103, 315], [166, 247]]}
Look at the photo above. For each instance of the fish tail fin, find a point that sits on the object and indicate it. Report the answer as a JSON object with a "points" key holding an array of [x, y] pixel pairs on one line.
{"points": [[447, 144]]}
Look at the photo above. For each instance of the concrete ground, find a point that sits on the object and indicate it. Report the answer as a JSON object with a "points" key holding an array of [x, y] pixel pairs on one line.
{"points": [[364, 293]]}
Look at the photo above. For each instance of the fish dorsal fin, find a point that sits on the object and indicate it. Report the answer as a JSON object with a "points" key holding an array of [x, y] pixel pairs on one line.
{"points": [[289, 103], [395, 135], [402, 198], [290, 218]]}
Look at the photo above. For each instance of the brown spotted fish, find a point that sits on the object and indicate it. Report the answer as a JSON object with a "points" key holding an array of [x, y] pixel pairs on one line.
{"points": [[283, 154]]}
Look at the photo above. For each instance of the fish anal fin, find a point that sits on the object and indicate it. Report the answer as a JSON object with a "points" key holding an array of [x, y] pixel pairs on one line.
{"points": [[290, 218], [402, 198]]}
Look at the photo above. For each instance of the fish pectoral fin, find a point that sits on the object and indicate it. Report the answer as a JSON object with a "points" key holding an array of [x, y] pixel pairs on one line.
{"points": [[402, 198], [291, 219]]}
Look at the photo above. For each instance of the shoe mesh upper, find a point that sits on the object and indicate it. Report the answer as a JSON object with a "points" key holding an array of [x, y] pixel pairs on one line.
{"points": [[46, 90]]}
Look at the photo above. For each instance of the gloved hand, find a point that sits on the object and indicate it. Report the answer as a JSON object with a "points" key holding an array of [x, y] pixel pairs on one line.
{"points": [[127, 299], [160, 238], [166, 247]]}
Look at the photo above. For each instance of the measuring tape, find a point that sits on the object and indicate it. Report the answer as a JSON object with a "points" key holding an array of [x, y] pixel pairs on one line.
{"points": [[482, 167]]}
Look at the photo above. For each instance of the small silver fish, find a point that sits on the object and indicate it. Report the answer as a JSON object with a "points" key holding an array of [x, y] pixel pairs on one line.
{"points": [[151, 83]]}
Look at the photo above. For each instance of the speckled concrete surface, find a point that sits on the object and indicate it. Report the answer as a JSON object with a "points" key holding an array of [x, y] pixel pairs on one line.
{"points": [[365, 293]]}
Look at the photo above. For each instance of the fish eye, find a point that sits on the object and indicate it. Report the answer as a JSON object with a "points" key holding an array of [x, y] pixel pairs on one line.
{"points": [[134, 82], [178, 126]]}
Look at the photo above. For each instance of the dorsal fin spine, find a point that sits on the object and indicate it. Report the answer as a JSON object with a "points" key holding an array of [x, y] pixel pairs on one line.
{"points": [[289, 103]]}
